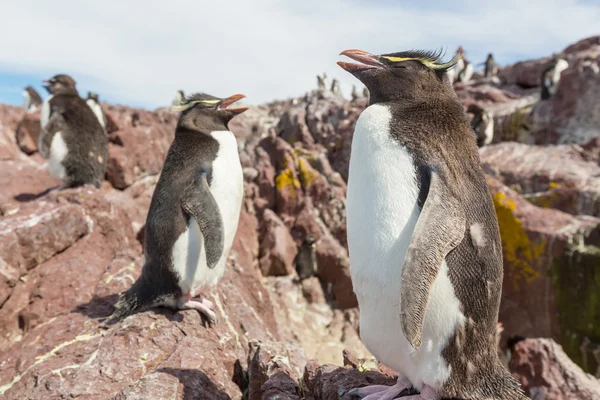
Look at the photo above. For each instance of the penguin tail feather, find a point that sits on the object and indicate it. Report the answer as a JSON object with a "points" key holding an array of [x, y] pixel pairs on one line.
{"points": [[128, 304]]}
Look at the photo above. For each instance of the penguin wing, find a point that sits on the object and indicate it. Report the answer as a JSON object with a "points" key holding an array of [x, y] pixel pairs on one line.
{"points": [[198, 202], [439, 229], [54, 124]]}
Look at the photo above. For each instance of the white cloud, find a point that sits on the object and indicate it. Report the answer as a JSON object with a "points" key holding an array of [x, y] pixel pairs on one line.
{"points": [[143, 51]]}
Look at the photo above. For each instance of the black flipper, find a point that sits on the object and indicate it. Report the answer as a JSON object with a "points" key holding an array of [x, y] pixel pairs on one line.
{"points": [[47, 133], [440, 228], [199, 203]]}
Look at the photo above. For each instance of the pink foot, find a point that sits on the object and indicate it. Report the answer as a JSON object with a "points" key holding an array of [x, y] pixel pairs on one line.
{"points": [[204, 307], [427, 393], [381, 392]]}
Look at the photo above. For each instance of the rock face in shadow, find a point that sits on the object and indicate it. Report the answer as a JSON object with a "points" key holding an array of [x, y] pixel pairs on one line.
{"points": [[65, 255]]}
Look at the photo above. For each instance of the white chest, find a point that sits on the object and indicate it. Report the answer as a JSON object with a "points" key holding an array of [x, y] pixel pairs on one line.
{"points": [[382, 212], [45, 114], [58, 152], [227, 187], [97, 111], [381, 202]]}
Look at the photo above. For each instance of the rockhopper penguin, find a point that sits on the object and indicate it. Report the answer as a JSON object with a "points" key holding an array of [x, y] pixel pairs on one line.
{"points": [[194, 211], [71, 137], [32, 99], [482, 124], [425, 250], [94, 103], [491, 69], [551, 77]]}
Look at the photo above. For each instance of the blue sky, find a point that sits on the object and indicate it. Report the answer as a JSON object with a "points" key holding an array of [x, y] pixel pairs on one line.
{"points": [[140, 52]]}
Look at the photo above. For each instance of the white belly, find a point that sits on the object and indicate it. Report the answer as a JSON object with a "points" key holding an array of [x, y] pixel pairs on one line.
{"points": [[382, 212], [58, 152], [189, 256], [45, 114], [97, 111]]}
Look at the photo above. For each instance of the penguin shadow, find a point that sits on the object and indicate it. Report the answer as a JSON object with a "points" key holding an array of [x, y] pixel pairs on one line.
{"points": [[102, 308], [27, 197], [99, 307], [196, 384]]}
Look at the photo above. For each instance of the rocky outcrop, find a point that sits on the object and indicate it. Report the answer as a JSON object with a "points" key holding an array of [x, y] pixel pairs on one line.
{"points": [[65, 255], [546, 372]]}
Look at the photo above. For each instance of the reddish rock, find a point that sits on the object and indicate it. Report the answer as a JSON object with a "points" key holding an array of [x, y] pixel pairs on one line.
{"points": [[279, 363], [9, 120], [333, 382], [551, 254], [277, 247], [139, 146], [28, 132], [557, 177], [546, 372]]}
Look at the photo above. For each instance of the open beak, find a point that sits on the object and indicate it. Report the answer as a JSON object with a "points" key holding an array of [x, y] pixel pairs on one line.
{"points": [[229, 101], [367, 60]]}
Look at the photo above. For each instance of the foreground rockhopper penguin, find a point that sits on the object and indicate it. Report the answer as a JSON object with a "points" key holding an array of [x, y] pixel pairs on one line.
{"points": [[194, 211], [425, 250], [71, 137]]}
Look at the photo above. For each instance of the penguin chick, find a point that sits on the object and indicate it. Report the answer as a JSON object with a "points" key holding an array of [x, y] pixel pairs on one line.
{"points": [[94, 103], [423, 238], [194, 211], [551, 77], [32, 99], [306, 259], [71, 137], [482, 124], [491, 69]]}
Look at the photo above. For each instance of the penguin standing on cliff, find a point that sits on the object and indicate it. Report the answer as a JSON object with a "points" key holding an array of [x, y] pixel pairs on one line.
{"points": [[482, 124], [551, 77], [94, 103], [194, 211], [425, 250], [491, 69], [71, 136], [32, 98]]}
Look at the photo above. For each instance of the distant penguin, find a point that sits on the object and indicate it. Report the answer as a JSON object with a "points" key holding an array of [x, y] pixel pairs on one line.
{"points": [[423, 237], [320, 83], [453, 72], [179, 98], [71, 136], [33, 101], [466, 73], [194, 211], [491, 69], [335, 87], [306, 259], [551, 77], [94, 103], [354, 93], [482, 124], [325, 81]]}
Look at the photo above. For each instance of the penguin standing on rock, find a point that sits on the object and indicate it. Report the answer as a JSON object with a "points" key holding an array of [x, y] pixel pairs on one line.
{"points": [[483, 124], [491, 69], [71, 136], [466, 73], [94, 103], [194, 211], [551, 77], [423, 238], [454, 71], [32, 99]]}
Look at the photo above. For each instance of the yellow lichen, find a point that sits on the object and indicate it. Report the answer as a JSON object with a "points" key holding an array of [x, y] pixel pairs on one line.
{"points": [[286, 180], [307, 174], [553, 185], [519, 252]]}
